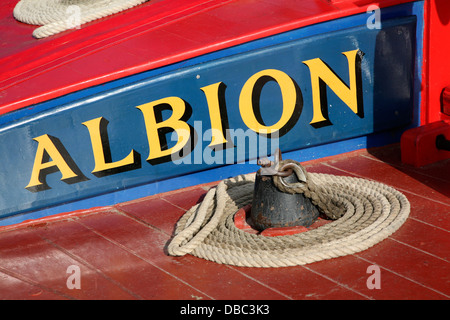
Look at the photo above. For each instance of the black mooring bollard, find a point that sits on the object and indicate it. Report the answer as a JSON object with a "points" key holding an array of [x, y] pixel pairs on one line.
{"points": [[272, 208]]}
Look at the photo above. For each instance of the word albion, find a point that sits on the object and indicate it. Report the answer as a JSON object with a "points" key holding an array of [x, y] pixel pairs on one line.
{"points": [[51, 155]]}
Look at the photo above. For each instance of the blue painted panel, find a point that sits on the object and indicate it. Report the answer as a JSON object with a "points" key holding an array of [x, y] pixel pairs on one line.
{"points": [[387, 79]]}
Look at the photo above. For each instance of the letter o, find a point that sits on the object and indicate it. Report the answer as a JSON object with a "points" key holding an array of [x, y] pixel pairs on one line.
{"points": [[246, 100]]}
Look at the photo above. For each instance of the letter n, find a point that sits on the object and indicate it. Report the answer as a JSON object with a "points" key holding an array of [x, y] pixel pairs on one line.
{"points": [[51, 148], [322, 76]]}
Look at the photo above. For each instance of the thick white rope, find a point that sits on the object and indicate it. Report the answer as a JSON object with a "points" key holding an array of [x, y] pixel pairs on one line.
{"points": [[366, 213], [59, 15]]}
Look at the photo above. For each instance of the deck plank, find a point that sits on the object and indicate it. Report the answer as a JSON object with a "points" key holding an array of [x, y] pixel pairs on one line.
{"points": [[121, 250]]}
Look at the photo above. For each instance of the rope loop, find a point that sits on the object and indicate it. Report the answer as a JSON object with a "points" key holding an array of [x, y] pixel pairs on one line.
{"points": [[300, 172], [306, 185], [364, 212], [55, 16]]}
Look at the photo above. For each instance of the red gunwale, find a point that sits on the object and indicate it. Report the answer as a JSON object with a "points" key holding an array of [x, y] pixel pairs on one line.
{"points": [[158, 33]]}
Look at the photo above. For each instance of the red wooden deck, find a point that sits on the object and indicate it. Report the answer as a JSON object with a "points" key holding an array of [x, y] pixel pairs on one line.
{"points": [[120, 249]]}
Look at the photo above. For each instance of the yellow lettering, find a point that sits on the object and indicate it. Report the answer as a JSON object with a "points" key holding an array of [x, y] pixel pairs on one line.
{"points": [[102, 152], [322, 75], [157, 128], [51, 148], [215, 97], [249, 101]]}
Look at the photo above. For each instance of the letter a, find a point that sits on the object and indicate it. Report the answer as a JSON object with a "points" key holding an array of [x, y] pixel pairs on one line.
{"points": [[74, 280], [51, 147], [374, 281]]}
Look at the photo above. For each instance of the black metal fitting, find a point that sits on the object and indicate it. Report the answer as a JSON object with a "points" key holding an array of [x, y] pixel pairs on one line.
{"points": [[272, 208]]}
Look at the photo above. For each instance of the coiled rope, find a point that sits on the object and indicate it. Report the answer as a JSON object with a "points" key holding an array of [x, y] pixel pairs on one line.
{"points": [[365, 213], [59, 15]]}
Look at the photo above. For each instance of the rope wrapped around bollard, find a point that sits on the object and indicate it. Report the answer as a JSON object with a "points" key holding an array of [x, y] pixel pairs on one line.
{"points": [[365, 212]]}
